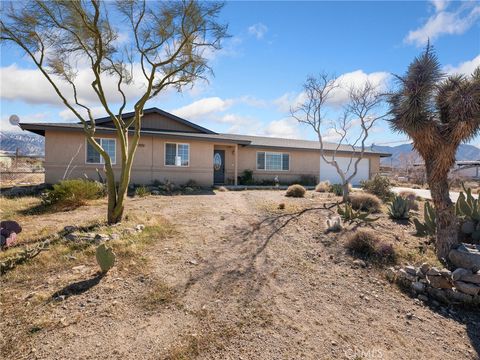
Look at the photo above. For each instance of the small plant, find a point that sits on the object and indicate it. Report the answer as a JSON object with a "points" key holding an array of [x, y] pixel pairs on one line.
{"points": [[337, 189], [411, 198], [429, 226], [169, 187], [334, 224], [295, 190], [467, 210], [350, 215], [323, 186], [247, 177], [141, 191], [70, 194], [379, 186], [399, 208], [307, 180], [105, 257], [366, 244], [281, 206], [365, 202]]}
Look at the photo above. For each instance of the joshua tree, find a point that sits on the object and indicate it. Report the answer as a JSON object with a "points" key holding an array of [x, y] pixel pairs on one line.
{"points": [[438, 113], [169, 44], [352, 128]]}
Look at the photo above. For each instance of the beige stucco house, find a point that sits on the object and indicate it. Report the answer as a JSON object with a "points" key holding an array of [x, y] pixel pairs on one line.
{"points": [[174, 149]]}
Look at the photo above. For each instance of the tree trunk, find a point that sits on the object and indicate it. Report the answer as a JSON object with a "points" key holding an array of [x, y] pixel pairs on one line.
{"points": [[447, 223], [346, 191]]}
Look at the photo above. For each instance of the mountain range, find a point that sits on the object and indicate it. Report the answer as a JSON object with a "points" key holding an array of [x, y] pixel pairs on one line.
{"points": [[31, 144]]}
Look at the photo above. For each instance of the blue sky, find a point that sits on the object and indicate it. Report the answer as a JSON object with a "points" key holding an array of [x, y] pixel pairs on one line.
{"points": [[272, 49]]}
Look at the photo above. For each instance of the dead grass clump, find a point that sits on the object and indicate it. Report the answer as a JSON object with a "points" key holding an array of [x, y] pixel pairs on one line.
{"points": [[366, 244], [295, 190], [222, 189], [323, 186], [160, 294], [365, 202]]}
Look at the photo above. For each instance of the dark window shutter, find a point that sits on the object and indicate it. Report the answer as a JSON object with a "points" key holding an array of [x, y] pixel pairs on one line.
{"points": [[261, 160], [285, 162]]}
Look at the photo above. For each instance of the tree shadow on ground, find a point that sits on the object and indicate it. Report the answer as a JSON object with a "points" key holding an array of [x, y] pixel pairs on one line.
{"points": [[78, 287]]}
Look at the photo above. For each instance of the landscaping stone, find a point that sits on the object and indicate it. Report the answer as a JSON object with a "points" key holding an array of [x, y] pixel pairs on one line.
{"points": [[439, 282], [70, 228], [424, 268], [418, 286], [100, 238], [466, 256], [423, 297], [471, 278], [360, 263], [467, 288], [458, 273], [411, 270], [433, 271], [140, 227], [114, 236]]}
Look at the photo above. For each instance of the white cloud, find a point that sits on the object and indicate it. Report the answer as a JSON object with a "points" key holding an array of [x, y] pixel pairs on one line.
{"points": [[445, 22], [203, 107], [283, 128], [440, 4], [97, 112], [339, 96], [258, 30], [465, 68]]}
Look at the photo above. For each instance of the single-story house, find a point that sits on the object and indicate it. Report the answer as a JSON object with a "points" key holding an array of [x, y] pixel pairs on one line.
{"points": [[174, 149]]}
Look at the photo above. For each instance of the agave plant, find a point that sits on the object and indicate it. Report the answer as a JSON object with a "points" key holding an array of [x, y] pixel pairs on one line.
{"points": [[438, 113], [399, 208]]}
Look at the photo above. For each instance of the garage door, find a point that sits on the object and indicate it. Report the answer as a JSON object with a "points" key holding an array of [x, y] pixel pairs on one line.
{"points": [[328, 172]]}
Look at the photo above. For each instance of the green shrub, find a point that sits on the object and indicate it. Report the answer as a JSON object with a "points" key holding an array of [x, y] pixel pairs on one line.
{"points": [[399, 208], [379, 186], [366, 244], [247, 177], [141, 191], [295, 190], [411, 198], [337, 189], [323, 186], [70, 194], [307, 180], [365, 202]]}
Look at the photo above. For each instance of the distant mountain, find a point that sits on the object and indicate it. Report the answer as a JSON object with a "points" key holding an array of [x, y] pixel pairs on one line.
{"points": [[26, 142], [402, 152]]}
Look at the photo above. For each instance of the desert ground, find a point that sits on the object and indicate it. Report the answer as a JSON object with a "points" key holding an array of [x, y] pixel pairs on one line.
{"points": [[220, 275]]}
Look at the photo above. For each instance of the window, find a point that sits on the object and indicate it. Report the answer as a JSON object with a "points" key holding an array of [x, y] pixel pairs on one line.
{"points": [[177, 154], [273, 161], [109, 145]]}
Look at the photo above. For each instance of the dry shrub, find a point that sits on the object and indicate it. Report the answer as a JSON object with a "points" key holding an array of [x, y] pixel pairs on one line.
{"points": [[222, 189], [70, 194], [366, 244], [411, 198], [323, 186], [365, 202], [295, 190], [379, 186]]}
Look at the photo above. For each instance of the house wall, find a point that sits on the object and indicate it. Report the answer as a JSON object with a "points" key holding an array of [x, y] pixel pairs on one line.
{"points": [[148, 165], [64, 147]]}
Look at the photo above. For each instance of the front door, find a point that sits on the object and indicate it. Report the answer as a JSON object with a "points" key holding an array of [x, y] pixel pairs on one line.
{"points": [[219, 166]]}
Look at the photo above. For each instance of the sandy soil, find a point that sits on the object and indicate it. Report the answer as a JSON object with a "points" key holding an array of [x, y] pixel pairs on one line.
{"points": [[229, 286]]}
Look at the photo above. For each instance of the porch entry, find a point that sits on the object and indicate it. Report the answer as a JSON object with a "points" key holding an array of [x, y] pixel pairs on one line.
{"points": [[218, 166]]}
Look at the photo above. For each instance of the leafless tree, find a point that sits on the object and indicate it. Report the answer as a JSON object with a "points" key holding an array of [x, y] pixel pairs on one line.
{"points": [[352, 128], [171, 42]]}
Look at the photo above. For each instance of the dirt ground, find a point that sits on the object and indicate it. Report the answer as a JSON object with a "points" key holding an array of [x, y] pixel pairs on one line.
{"points": [[237, 280]]}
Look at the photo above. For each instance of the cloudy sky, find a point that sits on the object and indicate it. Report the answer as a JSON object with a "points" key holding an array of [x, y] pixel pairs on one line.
{"points": [[273, 47]]}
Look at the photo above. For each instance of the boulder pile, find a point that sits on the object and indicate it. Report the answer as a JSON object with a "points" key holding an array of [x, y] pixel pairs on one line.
{"points": [[428, 283]]}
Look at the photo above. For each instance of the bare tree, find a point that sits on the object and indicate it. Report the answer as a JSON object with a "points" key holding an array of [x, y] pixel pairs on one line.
{"points": [[170, 44], [352, 128]]}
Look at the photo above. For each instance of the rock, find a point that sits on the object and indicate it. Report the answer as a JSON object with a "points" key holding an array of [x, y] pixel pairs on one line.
{"points": [[418, 287], [458, 273], [439, 282], [458, 297], [467, 288], [409, 316], [438, 294], [422, 297], [99, 238], [403, 275], [114, 236], [193, 262], [188, 189], [424, 268], [411, 270], [466, 256], [433, 271], [391, 274], [446, 273], [155, 192], [140, 227], [360, 263], [70, 228], [471, 278], [72, 237]]}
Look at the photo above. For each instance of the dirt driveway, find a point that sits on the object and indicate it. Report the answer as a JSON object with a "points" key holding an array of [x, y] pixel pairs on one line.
{"points": [[229, 286]]}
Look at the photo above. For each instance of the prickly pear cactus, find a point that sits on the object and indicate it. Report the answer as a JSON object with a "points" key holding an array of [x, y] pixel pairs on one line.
{"points": [[105, 257], [429, 226]]}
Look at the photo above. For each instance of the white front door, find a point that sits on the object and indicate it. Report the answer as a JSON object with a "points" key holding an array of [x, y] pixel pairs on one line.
{"points": [[328, 172]]}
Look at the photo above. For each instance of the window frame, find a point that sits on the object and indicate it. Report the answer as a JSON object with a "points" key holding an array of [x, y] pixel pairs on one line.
{"points": [[102, 160], [275, 153], [176, 154]]}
